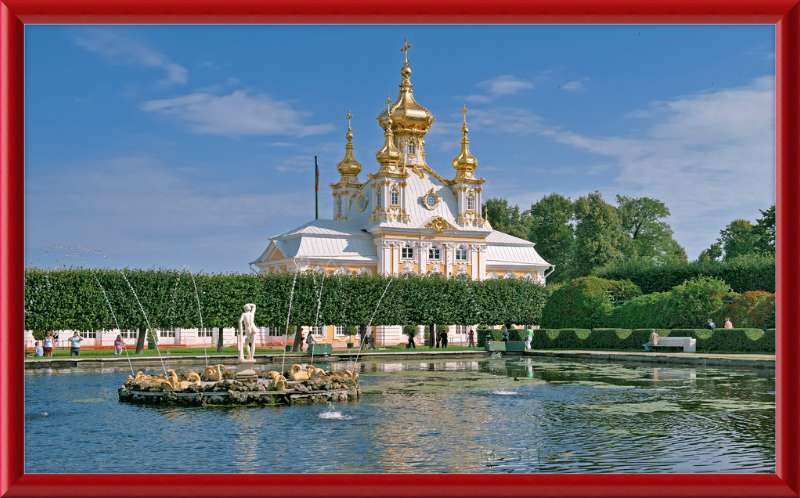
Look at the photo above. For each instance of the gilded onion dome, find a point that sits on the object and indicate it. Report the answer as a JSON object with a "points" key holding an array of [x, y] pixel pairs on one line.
{"points": [[388, 156], [465, 163], [406, 113], [349, 166]]}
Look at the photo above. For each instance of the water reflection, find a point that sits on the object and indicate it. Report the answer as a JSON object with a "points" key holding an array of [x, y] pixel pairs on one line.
{"points": [[498, 415]]}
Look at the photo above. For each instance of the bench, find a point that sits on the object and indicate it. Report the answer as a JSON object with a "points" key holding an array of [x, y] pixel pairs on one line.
{"points": [[495, 346], [321, 348], [688, 344]]}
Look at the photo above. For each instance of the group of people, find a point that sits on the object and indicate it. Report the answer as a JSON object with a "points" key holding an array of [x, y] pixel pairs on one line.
{"points": [[528, 336], [653, 340], [51, 337]]}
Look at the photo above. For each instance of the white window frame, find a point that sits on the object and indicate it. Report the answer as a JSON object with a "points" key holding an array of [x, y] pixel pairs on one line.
{"points": [[460, 251], [378, 198], [129, 334], [166, 333], [407, 253], [88, 334], [411, 148], [339, 205], [395, 196], [205, 332], [470, 202], [437, 257], [318, 332], [338, 332]]}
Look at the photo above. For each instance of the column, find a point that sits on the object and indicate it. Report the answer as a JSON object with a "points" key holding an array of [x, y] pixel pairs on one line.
{"points": [[422, 257]]}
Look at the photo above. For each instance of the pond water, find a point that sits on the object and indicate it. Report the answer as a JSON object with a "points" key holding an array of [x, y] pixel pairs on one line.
{"points": [[490, 416]]}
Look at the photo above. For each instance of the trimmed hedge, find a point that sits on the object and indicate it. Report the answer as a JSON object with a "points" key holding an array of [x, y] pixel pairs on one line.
{"points": [[72, 299], [496, 334], [722, 340], [745, 273]]}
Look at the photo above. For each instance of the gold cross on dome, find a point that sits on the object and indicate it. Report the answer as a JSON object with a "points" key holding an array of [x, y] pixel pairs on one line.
{"points": [[464, 112], [405, 48], [348, 119]]}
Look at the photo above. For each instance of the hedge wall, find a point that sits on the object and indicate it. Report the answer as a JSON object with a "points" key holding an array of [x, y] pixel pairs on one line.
{"points": [[745, 273], [85, 299], [722, 340]]}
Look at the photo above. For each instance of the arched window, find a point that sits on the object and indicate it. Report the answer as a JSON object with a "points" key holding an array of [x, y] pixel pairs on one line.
{"points": [[339, 205], [471, 202], [395, 196], [411, 148], [378, 198]]}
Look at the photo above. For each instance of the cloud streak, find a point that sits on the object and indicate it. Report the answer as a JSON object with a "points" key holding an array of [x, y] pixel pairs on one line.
{"points": [[117, 49], [236, 114]]}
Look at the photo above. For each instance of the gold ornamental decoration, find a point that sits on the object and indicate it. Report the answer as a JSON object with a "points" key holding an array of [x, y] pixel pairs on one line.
{"points": [[430, 200], [439, 225]]}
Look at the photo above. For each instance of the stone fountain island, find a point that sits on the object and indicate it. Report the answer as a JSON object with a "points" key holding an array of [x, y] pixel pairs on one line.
{"points": [[216, 385]]}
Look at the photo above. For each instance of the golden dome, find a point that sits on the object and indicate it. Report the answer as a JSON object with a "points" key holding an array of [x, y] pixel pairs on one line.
{"points": [[388, 156], [406, 113], [349, 166], [465, 163]]}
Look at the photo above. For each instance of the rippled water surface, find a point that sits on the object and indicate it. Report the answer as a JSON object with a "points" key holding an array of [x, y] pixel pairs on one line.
{"points": [[491, 416]]}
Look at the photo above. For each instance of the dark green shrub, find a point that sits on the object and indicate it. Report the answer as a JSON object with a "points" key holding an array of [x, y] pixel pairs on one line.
{"points": [[483, 331], [516, 334], [744, 273], [730, 340], [753, 309], [584, 302], [410, 330], [350, 331]]}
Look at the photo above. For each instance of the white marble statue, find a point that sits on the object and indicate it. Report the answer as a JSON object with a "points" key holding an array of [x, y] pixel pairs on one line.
{"points": [[247, 333]]}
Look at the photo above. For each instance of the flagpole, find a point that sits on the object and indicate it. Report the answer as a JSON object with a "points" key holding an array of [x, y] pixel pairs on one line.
{"points": [[316, 188]]}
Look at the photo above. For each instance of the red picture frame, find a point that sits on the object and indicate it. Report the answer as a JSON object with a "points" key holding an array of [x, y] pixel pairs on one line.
{"points": [[14, 14]]}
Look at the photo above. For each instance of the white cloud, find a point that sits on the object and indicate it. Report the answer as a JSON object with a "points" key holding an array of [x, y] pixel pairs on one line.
{"points": [[116, 49], [236, 114], [710, 157], [574, 86], [505, 85]]}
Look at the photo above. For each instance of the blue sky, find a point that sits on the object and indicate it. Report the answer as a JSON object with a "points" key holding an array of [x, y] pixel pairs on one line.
{"points": [[170, 145]]}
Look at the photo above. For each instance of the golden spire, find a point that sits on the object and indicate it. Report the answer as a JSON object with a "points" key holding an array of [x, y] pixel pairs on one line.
{"points": [[464, 163], [349, 166], [388, 156], [406, 113]]}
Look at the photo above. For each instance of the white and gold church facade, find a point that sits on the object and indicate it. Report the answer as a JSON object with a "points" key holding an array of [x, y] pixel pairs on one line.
{"points": [[405, 217]]}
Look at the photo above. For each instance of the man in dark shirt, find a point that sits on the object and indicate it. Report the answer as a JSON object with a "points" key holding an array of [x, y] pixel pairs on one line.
{"points": [[711, 325]]}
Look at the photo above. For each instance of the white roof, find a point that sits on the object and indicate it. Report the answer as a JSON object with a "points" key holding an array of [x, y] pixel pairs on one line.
{"points": [[506, 254], [334, 228], [346, 248]]}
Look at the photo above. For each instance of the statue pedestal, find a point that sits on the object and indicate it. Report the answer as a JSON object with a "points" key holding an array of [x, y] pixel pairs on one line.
{"points": [[247, 374]]}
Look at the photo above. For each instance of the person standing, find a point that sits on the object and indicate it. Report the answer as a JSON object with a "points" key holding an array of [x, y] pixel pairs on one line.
{"points": [[48, 343], [652, 341], [75, 344], [711, 326], [528, 338], [471, 337], [505, 334], [309, 340], [302, 340], [118, 344], [728, 323], [444, 339]]}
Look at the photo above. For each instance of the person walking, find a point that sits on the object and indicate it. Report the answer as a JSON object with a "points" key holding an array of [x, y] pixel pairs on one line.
{"points": [[728, 323], [471, 337], [309, 340], [75, 344], [711, 326], [370, 340], [528, 338], [48, 343], [118, 344], [411, 343]]}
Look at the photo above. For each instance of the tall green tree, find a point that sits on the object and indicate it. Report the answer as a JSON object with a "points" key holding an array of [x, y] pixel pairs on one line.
{"points": [[507, 219], [713, 253], [738, 238], [597, 234], [552, 230], [765, 231], [646, 235]]}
